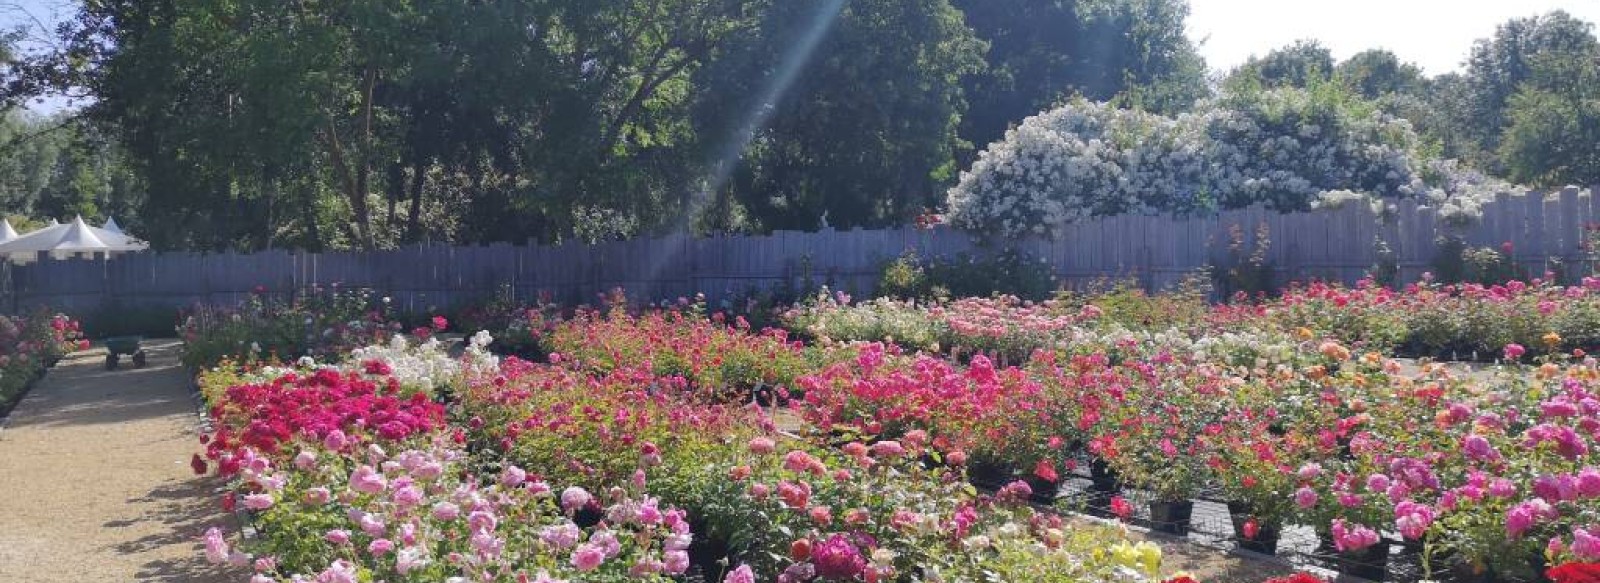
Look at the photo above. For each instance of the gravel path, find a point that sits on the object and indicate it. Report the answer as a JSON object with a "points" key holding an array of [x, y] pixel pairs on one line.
{"points": [[95, 482]]}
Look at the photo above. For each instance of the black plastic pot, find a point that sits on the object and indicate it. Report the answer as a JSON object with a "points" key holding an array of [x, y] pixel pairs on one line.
{"points": [[1267, 532], [989, 473], [709, 554], [1461, 572], [1171, 517], [588, 516], [1102, 477], [1371, 563], [1044, 491]]}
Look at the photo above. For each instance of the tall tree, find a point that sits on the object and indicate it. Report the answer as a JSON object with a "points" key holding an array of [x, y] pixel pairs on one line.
{"points": [[1553, 132], [1377, 72], [1297, 65], [1041, 53], [866, 134], [1499, 65]]}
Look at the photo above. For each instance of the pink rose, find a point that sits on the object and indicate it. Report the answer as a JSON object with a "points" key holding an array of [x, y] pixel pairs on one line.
{"points": [[1515, 351], [368, 481], [588, 557], [884, 449], [740, 575], [513, 476], [337, 536], [1305, 497], [446, 511], [258, 501], [762, 446], [318, 496], [575, 498]]}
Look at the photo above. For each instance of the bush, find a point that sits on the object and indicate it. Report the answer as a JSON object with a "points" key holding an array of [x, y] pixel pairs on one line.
{"points": [[1457, 262], [1124, 303], [117, 320], [1282, 148], [1009, 272]]}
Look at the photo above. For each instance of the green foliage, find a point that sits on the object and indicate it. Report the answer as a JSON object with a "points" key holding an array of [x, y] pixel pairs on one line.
{"points": [[59, 167], [1297, 65], [1553, 133], [1458, 262], [370, 124], [1043, 53], [1124, 302], [119, 320], [1007, 272], [865, 135], [904, 277], [1246, 271], [1378, 72], [1499, 66]]}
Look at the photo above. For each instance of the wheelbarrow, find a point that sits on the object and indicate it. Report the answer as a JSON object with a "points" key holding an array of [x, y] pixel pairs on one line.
{"points": [[118, 346]]}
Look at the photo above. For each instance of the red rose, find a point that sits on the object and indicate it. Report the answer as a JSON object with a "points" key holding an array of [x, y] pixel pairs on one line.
{"points": [[1297, 578], [1575, 573], [1121, 507], [198, 464], [1046, 471], [800, 549]]}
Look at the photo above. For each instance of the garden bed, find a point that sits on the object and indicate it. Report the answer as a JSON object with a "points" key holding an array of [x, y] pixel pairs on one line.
{"points": [[29, 346], [1274, 427]]}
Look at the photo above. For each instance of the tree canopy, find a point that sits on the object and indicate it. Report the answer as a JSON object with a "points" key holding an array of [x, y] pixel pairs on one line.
{"points": [[373, 123]]}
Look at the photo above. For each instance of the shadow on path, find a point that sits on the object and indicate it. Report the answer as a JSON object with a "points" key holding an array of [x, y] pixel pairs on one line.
{"points": [[185, 510]]}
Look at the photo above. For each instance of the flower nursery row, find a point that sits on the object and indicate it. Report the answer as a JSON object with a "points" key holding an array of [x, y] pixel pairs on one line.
{"points": [[1292, 420], [1447, 322], [400, 463], [28, 345]]}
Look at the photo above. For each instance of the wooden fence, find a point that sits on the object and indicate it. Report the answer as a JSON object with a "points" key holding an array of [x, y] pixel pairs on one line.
{"points": [[1334, 244]]}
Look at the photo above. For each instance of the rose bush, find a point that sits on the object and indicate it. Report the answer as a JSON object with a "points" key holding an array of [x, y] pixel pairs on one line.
{"points": [[31, 343], [1293, 410]]}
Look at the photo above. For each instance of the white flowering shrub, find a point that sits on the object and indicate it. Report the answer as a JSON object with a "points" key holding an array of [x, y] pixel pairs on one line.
{"points": [[427, 365], [1286, 149]]}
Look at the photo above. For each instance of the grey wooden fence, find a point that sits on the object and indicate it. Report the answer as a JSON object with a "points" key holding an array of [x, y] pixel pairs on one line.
{"points": [[1334, 244]]}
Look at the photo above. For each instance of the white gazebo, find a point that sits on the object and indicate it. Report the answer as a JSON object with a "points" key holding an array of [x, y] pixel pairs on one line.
{"points": [[7, 233], [74, 239]]}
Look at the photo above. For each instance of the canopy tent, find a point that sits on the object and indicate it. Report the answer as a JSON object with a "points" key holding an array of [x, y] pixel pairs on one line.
{"points": [[66, 240], [7, 233], [111, 225]]}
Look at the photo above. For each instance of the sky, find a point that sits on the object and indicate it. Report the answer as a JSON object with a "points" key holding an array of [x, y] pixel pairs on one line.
{"points": [[1434, 34]]}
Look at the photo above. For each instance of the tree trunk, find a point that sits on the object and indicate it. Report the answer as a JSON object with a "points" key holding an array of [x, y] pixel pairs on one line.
{"points": [[395, 186], [419, 174], [364, 162], [309, 211]]}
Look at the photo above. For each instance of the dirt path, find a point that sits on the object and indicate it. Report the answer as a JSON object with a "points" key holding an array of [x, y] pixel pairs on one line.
{"points": [[95, 482]]}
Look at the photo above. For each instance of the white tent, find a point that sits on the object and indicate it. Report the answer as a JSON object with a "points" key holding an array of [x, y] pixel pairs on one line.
{"points": [[111, 225], [74, 238], [7, 233]]}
